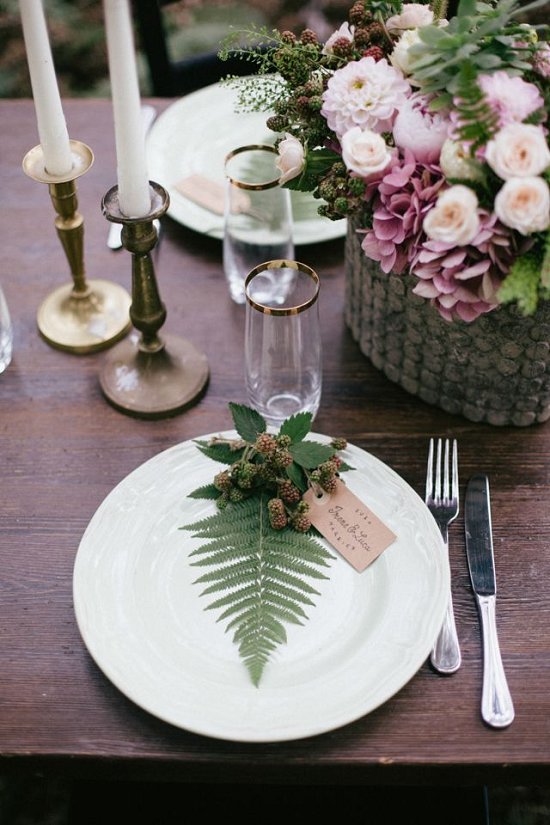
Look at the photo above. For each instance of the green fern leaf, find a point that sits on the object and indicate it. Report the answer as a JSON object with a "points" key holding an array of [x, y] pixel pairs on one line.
{"points": [[262, 575]]}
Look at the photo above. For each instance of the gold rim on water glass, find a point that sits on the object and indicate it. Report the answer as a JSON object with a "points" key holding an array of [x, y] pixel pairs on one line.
{"points": [[255, 187], [282, 263]]}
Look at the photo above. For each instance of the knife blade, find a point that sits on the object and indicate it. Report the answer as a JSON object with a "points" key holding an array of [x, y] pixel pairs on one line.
{"points": [[497, 708]]}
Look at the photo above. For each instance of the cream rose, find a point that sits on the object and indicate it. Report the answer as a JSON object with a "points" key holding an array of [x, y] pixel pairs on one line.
{"points": [[518, 150], [412, 16], [365, 152], [524, 204], [454, 218], [291, 158], [400, 58]]}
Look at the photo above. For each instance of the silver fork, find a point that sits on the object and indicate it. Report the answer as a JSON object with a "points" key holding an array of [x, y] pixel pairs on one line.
{"points": [[442, 501]]}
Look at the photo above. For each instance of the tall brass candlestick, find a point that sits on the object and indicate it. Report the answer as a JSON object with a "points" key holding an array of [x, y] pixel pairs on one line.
{"points": [[152, 377], [85, 316]]}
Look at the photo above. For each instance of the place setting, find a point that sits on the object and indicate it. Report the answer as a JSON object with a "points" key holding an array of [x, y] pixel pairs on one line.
{"points": [[265, 582]]}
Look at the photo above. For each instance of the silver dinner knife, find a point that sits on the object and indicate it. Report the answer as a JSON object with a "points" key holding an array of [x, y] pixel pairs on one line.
{"points": [[497, 708]]}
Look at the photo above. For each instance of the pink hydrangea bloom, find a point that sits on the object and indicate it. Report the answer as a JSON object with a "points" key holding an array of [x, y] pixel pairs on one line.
{"points": [[400, 198], [418, 129], [365, 93], [511, 98], [462, 282]]}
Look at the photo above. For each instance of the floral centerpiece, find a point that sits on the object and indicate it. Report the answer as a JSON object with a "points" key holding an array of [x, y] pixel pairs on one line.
{"points": [[431, 135]]}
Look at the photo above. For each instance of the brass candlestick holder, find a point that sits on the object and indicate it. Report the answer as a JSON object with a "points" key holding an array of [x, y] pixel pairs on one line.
{"points": [[85, 316], [149, 377]]}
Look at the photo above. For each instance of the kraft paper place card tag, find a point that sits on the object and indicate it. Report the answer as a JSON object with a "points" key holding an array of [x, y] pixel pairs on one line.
{"points": [[210, 194], [202, 191], [349, 525]]}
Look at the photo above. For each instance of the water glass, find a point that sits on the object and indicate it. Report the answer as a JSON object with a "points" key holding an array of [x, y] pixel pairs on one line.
{"points": [[258, 219], [6, 334], [283, 369]]}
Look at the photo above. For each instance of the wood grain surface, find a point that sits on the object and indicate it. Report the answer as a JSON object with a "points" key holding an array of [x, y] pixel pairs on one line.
{"points": [[63, 449]]}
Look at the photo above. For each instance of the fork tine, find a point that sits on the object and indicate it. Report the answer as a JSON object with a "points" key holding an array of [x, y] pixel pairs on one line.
{"points": [[446, 482], [454, 488], [429, 471], [438, 472]]}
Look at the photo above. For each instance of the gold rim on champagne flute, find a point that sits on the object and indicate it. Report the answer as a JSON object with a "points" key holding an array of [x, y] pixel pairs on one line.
{"points": [[282, 263], [255, 187]]}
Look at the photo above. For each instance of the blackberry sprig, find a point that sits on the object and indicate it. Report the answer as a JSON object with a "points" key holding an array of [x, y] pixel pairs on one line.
{"points": [[282, 465]]}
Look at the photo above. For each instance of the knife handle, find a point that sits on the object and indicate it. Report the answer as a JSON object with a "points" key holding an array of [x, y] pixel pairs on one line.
{"points": [[497, 708]]}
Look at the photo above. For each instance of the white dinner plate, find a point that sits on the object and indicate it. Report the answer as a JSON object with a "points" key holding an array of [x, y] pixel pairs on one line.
{"points": [[144, 623], [193, 136]]}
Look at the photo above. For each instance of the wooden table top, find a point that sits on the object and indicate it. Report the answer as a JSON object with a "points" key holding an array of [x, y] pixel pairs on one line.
{"points": [[64, 448]]}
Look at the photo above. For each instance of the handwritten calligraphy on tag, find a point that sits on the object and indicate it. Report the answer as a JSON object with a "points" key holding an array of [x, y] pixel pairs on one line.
{"points": [[349, 525]]}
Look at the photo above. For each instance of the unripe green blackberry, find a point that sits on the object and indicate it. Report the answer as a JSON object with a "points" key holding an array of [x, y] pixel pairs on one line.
{"points": [[376, 32], [302, 508], [281, 458], [301, 523], [265, 444], [357, 188], [283, 440], [288, 492], [277, 123], [309, 36], [312, 87], [361, 37], [339, 443], [222, 501], [341, 205], [277, 513], [222, 481], [302, 103], [329, 483], [236, 495], [356, 14], [316, 103], [342, 47], [327, 189], [244, 475], [339, 168]]}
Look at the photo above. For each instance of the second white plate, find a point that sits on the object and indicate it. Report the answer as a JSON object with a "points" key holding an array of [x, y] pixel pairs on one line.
{"points": [[193, 136]]}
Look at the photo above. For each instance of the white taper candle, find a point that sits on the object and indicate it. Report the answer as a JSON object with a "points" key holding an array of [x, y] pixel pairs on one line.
{"points": [[133, 183], [52, 129]]}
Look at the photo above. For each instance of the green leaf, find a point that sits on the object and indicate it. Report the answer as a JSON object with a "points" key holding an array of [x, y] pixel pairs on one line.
{"points": [[262, 575], [317, 163], [297, 427], [208, 491], [296, 475], [310, 454], [247, 421], [219, 452]]}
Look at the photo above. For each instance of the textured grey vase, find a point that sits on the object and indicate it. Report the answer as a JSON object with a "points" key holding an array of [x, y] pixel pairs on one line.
{"points": [[496, 369]]}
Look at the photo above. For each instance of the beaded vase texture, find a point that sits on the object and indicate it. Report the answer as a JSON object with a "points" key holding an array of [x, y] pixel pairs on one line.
{"points": [[494, 370]]}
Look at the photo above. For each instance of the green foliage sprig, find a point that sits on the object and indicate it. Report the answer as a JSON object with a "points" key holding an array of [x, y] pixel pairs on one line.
{"points": [[257, 546], [484, 34]]}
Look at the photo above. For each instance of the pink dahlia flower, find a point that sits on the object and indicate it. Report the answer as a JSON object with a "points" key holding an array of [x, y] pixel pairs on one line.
{"points": [[400, 199], [418, 129], [511, 98], [365, 93], [462, 282]]}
